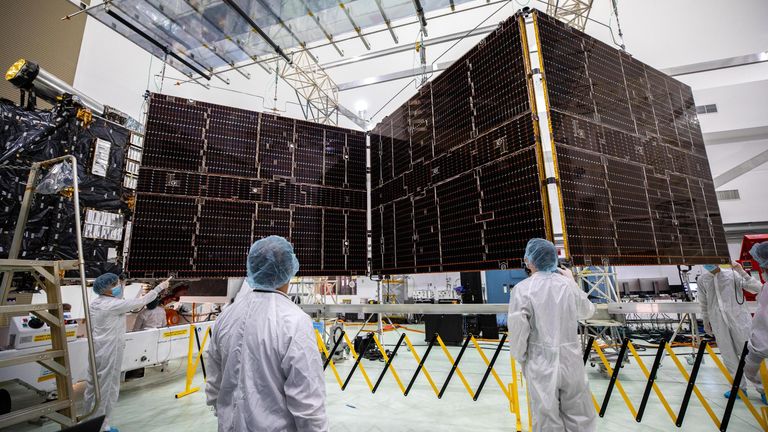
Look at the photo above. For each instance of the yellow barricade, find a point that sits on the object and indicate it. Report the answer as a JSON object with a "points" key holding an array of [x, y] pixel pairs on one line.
{"points": [[510, 390], [743, 396], [192, 361]]}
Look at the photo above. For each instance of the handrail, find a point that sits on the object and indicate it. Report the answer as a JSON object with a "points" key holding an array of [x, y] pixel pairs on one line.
{"points": [[83, 284]]}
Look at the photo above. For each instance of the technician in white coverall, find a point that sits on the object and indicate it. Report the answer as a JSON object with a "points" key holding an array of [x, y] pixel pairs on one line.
{"points": [[264, 368], [544, 313], [758, 339], [725, 313], [151, 317], [108, 326]]}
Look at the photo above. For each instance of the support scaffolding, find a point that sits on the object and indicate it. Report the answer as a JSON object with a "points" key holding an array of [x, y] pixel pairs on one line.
{"points": [[600, 284], [315, 89]]}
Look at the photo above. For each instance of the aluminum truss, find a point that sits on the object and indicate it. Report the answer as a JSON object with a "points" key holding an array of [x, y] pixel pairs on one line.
{"points": [[315, 89], [572, 12], [600, 283]]}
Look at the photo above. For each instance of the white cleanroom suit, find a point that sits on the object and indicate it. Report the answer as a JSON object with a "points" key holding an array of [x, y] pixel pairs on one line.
{"points": [[264, 367], [720, 296], [544, 311], [758, 339], [150, 319], [108, 327]]}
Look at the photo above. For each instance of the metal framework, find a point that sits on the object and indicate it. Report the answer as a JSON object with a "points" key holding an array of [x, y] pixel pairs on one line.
{"points": [[357, 28], [313, 85], [322, 28], [386, 21], [303, 288], [422, 18], [573, 12], [600, 283]]}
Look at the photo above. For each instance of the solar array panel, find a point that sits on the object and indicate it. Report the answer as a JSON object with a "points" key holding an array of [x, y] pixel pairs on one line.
{"points": [[455, 179], [214, 179], [635, 179], [457, 172]]}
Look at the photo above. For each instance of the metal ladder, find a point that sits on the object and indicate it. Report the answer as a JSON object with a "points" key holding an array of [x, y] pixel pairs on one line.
{"points": [[48, 275]]}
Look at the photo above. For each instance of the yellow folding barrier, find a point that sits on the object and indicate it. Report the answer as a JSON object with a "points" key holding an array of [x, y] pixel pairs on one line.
{"points": [[511, 389], [321, 345], [423, 368], [192, 361], [386, 359], [488, 363], [742, 395], [514, 398], [360, 364], [608, 367], [762, 418], [656, 388], [458, 371], [696, 390]]}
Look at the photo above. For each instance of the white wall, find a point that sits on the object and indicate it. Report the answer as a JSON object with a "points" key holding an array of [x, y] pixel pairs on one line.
{"points": [[739, 106], [735, 134], [666, 33], [753, 205]]}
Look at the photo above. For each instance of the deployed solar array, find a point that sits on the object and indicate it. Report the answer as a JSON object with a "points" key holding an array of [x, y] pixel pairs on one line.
{"points": [[635, 179], [455, 179], [456, 174], [214, 179]]}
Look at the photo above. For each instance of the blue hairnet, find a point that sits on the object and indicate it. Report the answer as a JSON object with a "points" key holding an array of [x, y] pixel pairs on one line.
{"points": [[710, 267], [104, 283], [271, 263], [542, 254], [760, 253]]}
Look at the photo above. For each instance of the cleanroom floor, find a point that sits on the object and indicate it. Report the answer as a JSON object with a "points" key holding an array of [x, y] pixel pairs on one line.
{"points": [[148, 405]]}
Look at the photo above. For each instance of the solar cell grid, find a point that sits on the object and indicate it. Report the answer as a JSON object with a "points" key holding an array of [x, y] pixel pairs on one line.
{"points": [[646, 140], [218, 178], [455, 176], [461, 190]]}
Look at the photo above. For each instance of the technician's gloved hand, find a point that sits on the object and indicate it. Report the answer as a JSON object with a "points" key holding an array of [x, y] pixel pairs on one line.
{"points": [[566, 272], [707, 328], [162, 286], [738, 268]]}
